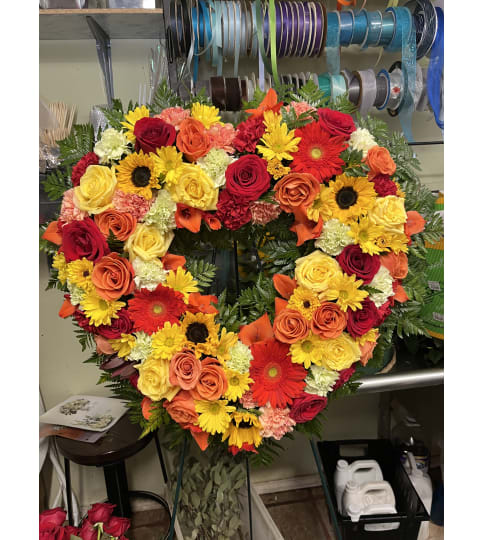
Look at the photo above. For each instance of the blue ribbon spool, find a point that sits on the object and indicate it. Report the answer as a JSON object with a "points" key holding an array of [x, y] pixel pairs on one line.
{"points": [[360, 28], [347, 21], [332, 47], [435, 69]]}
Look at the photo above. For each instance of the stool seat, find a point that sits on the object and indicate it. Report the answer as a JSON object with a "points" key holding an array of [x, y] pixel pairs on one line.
{"points": [[121, 442]]}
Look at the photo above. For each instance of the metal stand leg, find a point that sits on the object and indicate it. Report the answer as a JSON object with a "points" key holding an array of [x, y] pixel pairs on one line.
{"points": [[248, 481], [102, 42], [69, 490], [161, 459], [117, 489], [178, 489]]}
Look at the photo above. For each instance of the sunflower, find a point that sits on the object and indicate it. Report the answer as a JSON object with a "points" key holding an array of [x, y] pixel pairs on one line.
{"points": [[276, 169], [276, 378], [100, 311], [307, 351], [238, 384], [60, 264], [346, 291], [150, 310], [201, 333], [279, 143], [318, 152], [305, 301], [206, 114], [365, 232], [131, 118], [168, 160], [123, 345], [214, 416], [244, 428], [79, 272], [138, 173], [227, 340], [182, 281], [348, 197], [167, 341]]}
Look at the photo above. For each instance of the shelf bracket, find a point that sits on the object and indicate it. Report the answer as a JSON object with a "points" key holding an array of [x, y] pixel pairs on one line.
{"points": [[102, 42]]}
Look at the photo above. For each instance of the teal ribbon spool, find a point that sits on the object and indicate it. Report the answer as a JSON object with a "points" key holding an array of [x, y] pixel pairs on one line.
{"points": [[324, 84]]}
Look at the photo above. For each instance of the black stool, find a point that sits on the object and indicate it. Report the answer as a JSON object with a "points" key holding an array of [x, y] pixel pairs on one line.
{"points": [[121, 442]]}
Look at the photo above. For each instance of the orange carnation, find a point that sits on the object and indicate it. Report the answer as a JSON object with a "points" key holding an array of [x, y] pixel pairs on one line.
{"points": [[296, 191], [182, 409], [212, 382], [184, 369], [193, 139], [113, 277], [396, 264], [380, 161], [122, 224], [289, 326], [328, 321]]}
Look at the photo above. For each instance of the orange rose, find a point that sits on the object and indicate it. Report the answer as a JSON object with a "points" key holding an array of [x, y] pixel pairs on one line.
{"points": [[380, 161], [396, 264], [296, 191], [121, 224], [193, 139], [184, 369], [328, 321], [182, 409], [212, 382], [146, 405], [113, 277], [289, 326]]}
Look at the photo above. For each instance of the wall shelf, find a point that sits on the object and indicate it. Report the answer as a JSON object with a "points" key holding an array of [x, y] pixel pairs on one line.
{"points": [[69, 24], [401, 380]]}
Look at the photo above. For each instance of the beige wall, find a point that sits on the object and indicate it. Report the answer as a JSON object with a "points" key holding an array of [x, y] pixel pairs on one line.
{"points": [[69, 71]]}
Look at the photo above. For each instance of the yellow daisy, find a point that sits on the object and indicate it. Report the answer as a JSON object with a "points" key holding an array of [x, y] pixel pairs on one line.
{"points": [[79, 272], [349, 197], [226, 341], [169, 161], [60, 264], [214, 416], [272, 120], [345, 290], [307, 351], [138, 173], [305, 301], [278, 142], [400, 192], [371, 335], [123, 345], [276, 169], [365, 232], [181, 280], [206, 114], [100, 311], [244, 428], [131, 118], [167, 341], [238, 384], [392, 241], [201, 333], [313, 212]]}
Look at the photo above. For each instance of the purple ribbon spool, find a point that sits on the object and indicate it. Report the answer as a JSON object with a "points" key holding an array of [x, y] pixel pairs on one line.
{"points": [[318, 29], [296, 28], [305, 30], [281, 35]]}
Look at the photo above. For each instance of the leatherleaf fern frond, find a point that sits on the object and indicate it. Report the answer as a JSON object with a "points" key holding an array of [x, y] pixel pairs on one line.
{"points": [[77, 144], [202, 271], [258, 299]]}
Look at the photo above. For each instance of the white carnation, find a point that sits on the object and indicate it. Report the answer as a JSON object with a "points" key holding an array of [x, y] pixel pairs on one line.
{"points": [[214, 164], [320, 380], [148, 273], [162, 212], [383, 282], [112, 145], [362, 140], [142, 348], [334, 237], [240, 357], [77, 294]]}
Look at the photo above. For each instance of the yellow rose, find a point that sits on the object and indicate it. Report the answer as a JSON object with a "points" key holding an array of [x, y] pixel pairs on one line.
{"points": [[339, 353], [154, 380], [389, 213], [148, 243], [316, 271], [96, 188], [194, 188]]}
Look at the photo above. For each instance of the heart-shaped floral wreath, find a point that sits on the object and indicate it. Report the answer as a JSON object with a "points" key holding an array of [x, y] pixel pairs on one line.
{"points": [[322, 203]]}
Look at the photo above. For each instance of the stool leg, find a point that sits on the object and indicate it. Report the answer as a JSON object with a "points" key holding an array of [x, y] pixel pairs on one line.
{"points": [[69, 490], [117, 489], [161, 459]]}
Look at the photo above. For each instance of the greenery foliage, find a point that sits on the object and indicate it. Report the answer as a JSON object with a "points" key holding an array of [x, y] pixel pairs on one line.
{"points": [[57, 183], [77, 144]]}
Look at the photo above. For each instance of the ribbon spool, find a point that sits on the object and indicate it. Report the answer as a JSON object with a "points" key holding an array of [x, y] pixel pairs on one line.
{"points": [[426, 24], [367, 90]]}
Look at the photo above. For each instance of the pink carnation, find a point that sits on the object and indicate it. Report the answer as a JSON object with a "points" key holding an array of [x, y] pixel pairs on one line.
{"points": [[131, 203], [299, 107], [264, 212], [222, 137], [275, 422], [247, 400], [69, 211], [174, 116]]}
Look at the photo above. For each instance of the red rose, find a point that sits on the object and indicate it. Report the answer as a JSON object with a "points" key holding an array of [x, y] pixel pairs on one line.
{"points": [[247, 178], [87, 531], [100, 512], [353, 261], [306, 407], [152, 133], [336, 123], [51, 518], [79, 169], [384, 311], [122, 325], [232, 213], [71, 530], [384, 185], [55, 533], [344, 376], [117, 526], [362, 320], [83, 239], [248, 134], [133, 380]]}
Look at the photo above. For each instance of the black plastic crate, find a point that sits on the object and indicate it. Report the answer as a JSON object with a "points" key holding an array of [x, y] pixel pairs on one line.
{"points": [[410, 509]]}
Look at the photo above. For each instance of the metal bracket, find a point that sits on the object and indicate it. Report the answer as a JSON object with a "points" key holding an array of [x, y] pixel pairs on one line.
{"points": [[102, 42]]}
